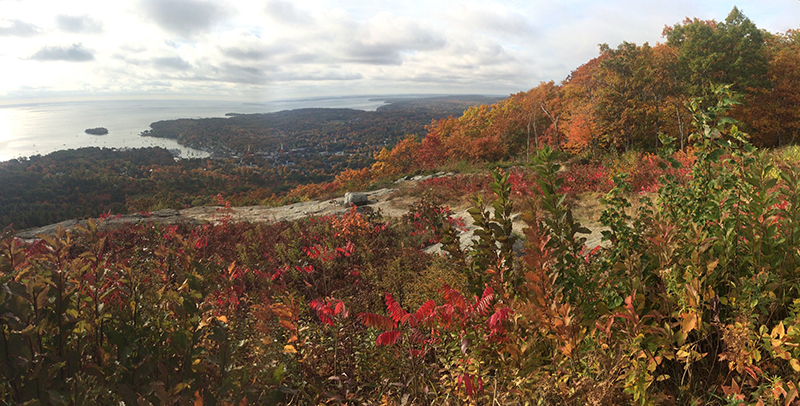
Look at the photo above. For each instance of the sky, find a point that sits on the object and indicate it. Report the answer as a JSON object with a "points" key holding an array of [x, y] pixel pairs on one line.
{"points": [[266, 50]]}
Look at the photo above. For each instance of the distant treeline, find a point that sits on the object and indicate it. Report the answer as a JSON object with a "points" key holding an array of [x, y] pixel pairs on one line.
{"points": [[88, 182]]}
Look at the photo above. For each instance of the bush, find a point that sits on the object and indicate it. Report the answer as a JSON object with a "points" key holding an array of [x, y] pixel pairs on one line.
{"points": [[695, 298]]}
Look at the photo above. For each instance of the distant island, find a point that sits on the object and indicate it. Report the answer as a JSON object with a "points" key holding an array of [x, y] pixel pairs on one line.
{"points": [[97, 131]]}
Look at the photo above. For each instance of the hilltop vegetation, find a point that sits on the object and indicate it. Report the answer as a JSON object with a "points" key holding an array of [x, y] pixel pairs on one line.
{"points": [[693, 300], [628, 95], [693, 297]]}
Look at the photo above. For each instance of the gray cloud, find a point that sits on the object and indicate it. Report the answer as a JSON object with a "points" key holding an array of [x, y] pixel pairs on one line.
{"points": [[286, 12], [374, 54], [287, 76], [74, 53], [233, 73], [185, 17], [78, 24], [503, 23], [263, 74], [157, 83], [303, 58], [489, 54], [246, 54], [389, 52], [175, 62], [17, 28], [253, 52], [432, 78], [131, 60], [249, 48]]}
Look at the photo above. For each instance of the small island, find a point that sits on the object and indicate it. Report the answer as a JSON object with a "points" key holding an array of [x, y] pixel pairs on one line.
{"points": [[97, 131]]}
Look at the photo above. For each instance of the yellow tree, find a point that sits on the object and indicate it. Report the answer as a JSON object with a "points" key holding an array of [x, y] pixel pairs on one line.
{"points": [[578, 91], [399, 160], [551, 104]]}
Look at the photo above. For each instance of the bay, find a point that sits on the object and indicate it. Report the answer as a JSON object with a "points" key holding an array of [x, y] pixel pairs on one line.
{"points": [[42, 128]]}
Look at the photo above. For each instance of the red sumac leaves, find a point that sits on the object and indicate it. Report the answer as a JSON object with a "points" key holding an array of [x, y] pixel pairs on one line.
{"points": [[376, 320], [496, 320], [425, 310], [394, 309], [388, 337]]}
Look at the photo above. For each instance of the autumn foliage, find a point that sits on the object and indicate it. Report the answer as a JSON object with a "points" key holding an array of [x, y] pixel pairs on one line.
{"points": [[626, 97], [691, 298]]}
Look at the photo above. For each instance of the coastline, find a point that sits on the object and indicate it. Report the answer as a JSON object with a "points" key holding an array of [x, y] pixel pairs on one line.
{"points": [[39, 128]]}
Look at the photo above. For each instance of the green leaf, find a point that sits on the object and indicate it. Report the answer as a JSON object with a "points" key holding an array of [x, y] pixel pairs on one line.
{"points": [[714, 155]]}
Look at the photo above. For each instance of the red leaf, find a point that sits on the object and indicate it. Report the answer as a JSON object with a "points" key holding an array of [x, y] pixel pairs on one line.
{"points": [[376, 320], [425, 310], [497, 319], [394, 309], [325, 319], [339, 308], [347, 250], [482, 306], [409, 319], [468, 385], [453, 297], [279, 273], [417, 337], [388, 338]]}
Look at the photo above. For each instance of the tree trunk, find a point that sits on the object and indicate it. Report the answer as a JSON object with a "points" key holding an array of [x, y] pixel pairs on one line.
{"points": [[680, 123], [555, 125]]}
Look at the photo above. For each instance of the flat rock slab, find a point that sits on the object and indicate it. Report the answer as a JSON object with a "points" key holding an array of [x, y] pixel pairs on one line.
{"points": [[166, 216], [291, 212], [378, 200]]}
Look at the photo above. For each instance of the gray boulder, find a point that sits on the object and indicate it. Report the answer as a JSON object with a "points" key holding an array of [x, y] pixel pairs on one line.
{"points": [[356, 198]]}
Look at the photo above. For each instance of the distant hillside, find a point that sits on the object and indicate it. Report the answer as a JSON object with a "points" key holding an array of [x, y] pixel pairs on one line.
{"points": [[455, 105], [291, 136]]}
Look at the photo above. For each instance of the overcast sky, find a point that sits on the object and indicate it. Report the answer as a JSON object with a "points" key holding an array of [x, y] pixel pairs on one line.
{"points": [[260, 50]]}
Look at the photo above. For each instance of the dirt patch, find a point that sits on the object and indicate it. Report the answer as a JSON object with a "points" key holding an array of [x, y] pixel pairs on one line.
{"points": [[586, 209]]}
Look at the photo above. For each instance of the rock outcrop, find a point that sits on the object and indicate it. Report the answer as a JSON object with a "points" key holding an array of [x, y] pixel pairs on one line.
{"points": [[355, 198], [166, 216]]}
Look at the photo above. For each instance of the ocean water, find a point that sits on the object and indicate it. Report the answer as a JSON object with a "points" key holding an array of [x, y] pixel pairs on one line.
{"points": [[42, 128]]}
